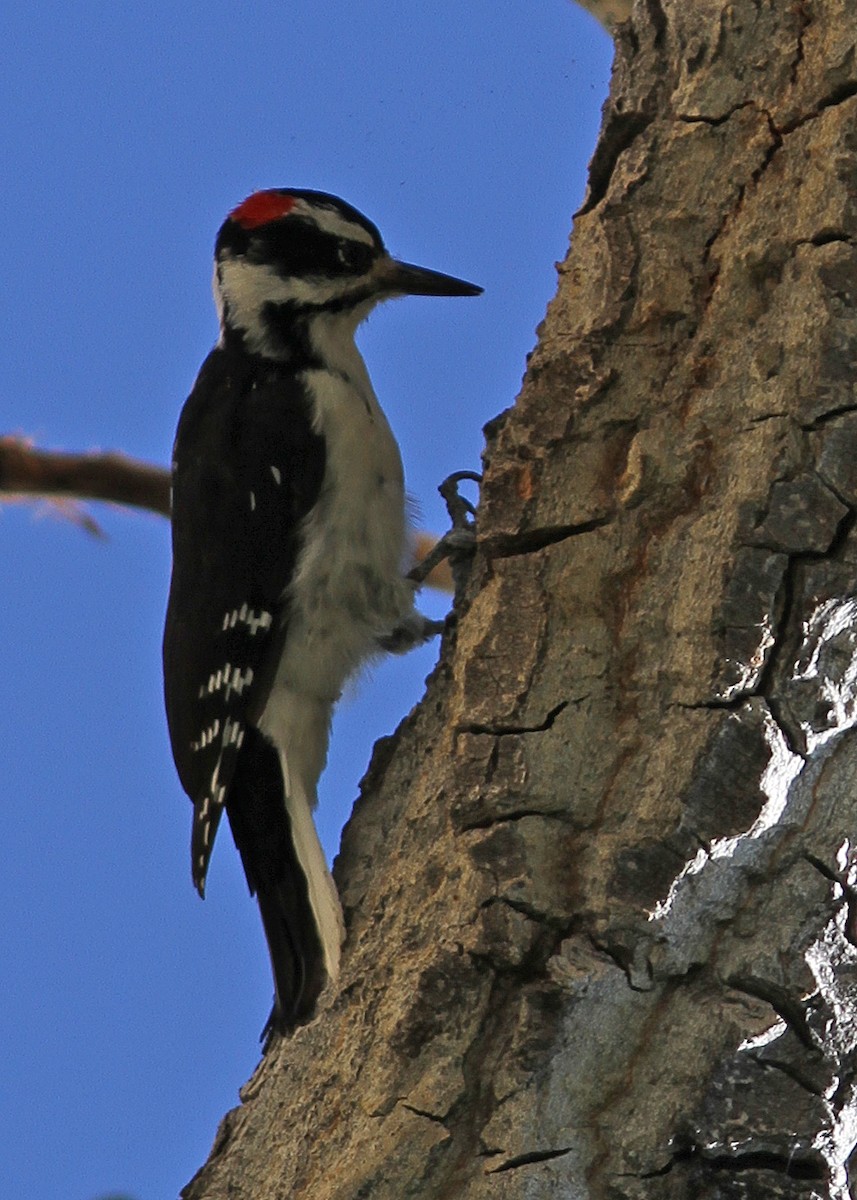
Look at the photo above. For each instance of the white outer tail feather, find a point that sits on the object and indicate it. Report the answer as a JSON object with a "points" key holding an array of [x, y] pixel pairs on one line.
{"points": [[299, 725]]}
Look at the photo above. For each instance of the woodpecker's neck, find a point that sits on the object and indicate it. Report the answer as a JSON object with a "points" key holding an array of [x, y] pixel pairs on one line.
{"points": [[305, 322], [331, 336]]}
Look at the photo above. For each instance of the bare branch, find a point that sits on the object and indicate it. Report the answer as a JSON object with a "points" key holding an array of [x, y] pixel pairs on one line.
{"points": [[113, 477]]}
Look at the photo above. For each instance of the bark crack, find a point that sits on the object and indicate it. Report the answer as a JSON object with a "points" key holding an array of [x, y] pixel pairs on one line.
{"points": [[825, 418], [471, 1112], [714, 121], [421, 1112], [791, 1072], [768, 686], [529, 541], [795, 1165], [517, 814], [501, 730], [525, 1160], [804, 22], [827, 237], [792, 1011], [620, 132], [755, 175], [530, 912], [839, 95]]}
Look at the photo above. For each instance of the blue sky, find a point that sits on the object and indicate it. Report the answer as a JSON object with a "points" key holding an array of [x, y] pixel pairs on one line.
{"points": [[131, 1011]]}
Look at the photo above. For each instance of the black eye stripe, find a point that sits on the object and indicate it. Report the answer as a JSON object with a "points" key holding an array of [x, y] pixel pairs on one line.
{"points": [[299, 248]]}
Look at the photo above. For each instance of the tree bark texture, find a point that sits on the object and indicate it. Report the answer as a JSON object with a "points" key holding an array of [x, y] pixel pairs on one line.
{"points": [[609, 12], [598, 888]]}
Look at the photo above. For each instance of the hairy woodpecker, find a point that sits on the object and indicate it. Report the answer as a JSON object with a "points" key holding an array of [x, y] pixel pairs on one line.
{"points": [[289, 543]]}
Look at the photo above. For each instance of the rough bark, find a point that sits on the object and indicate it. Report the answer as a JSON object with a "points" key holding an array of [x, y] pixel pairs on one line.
{"points": [[597, 888]]}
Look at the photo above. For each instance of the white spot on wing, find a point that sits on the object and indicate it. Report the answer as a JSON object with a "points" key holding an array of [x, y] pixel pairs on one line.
{"points": [[278, 477], [263, 621], [245, 615], [237, 681], [207, 736], [215, 681], [233, 734]]}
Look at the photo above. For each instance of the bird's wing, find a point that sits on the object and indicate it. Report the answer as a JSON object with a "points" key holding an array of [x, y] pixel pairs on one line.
{"points": [[247, 469]]}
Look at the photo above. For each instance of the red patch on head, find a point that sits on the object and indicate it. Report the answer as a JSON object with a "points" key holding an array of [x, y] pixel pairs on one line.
{"points": [[262, 207]]}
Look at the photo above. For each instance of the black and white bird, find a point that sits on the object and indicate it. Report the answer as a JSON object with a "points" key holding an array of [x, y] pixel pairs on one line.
{"points": [[290, 540]]}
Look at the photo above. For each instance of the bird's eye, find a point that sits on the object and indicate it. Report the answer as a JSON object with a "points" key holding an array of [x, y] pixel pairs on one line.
{"points": [[354, 257]]}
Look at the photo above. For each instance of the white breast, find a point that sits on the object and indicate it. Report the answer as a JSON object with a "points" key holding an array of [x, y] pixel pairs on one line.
{"points": [[348, 588]]}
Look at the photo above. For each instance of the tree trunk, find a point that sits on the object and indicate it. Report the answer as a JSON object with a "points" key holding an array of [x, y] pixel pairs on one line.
{"points": [[600, 923]]}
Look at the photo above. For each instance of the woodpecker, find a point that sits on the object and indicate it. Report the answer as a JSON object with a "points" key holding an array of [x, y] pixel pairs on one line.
{"points": [[290, 540]]}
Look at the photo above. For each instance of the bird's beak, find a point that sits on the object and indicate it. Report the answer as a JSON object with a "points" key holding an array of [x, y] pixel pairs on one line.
{"points": [[407, 280]]}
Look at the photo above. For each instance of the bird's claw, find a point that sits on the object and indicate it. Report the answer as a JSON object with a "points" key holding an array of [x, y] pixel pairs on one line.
{"points": [[459, 543]]}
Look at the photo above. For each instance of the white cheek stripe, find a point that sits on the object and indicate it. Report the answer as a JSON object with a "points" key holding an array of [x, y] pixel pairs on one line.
{"points": [[332, 221], [251, 286]]}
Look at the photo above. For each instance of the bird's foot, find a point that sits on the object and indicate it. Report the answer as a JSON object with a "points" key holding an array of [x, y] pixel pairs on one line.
{"points": [[458, 545], [414, 631]]}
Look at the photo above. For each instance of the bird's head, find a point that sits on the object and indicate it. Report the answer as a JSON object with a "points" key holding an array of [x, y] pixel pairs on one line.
{"points": [[285, 258]]}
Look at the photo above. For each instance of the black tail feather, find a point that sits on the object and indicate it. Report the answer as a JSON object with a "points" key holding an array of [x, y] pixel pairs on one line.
{"points": [[262, 831]]}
